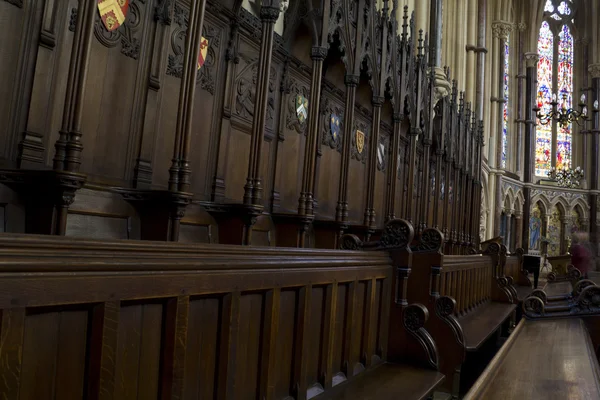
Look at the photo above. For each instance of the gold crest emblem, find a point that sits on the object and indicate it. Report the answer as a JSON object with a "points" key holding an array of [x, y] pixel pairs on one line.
{"points": [[360, 141]]}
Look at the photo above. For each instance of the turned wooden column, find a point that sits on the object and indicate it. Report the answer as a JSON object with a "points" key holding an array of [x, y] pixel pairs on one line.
{"points": [[393, 174], [269, 13], [69, 147], [528, 165], [190, 69], [369, 217], [341, 212], [306, 200]]}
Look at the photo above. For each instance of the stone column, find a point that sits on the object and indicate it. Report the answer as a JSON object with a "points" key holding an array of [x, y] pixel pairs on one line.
{"points": [[594, 71], [530, 92], [519, 228], [521, 80], [436, 17]]}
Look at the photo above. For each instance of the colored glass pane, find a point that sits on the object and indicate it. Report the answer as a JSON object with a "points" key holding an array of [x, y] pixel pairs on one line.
{"points": [[543, 140], [548, 7], [505, 111], [565, 94], [564, 9]]}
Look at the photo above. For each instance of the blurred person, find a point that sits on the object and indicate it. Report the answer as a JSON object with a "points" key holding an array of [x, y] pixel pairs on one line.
{"points": [[581, 253]]}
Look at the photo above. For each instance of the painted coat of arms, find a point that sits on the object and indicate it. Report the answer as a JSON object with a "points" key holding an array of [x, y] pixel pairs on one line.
{"points": [[301, 108], [203, 51], [334, 125], [360, 141], [113, 13]]}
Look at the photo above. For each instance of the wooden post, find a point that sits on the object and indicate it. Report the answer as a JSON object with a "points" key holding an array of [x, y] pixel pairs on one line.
{"points": [[269, 13]]}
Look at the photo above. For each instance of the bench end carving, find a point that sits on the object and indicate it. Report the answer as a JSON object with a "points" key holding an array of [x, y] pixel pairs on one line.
{"points": [[431, 240], [414, 318]]}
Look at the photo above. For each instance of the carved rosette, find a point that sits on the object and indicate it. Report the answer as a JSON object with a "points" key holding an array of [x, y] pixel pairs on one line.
{"points": [[533, 307], [351, 242], [444, 306], [397, 233], [589, 299], [415, 316], [574, 274], [431, 240], [581, 285], [540, 294]]}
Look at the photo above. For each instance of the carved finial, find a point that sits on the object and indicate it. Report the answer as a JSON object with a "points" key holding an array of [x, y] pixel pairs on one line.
{"points": [[412, 24], [447, 72], [461, 102], [420, 46]]}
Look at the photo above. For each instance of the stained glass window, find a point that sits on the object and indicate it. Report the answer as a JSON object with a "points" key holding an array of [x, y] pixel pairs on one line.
{"points": [[554, 75], [543, 140], [505, 112], [565, 94]]}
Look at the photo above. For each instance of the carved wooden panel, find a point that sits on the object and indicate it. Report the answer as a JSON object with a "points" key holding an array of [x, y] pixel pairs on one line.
{"points": [[292, 140], [330, 162], [357, 170]]}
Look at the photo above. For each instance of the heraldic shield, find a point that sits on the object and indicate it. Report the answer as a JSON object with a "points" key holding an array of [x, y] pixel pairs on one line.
{"points": [[301, 108], [360, 141], [113, 13], [334, 125], [203, 51]]}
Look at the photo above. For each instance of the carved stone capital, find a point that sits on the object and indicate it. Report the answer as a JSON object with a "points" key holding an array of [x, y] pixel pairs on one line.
{"points": [[531, 59], [318, 53], [501, 29], [351, 80], [594, 70], [521, 26], [377, 101], [269, 13]]}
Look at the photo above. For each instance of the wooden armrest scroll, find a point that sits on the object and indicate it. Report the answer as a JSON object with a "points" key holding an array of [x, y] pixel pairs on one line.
{"points": [[540, 294], [414, 318], [397, 234], [533, 307], [444, 309]]}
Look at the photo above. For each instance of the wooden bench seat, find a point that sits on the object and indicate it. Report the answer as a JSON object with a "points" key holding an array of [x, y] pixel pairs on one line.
{"points": [[479, 325], [467, 297], [204, 321], [387, 382], [548, 359]]}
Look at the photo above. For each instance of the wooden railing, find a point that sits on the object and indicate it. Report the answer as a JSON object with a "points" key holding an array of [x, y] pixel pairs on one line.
{"points": [[466, 279], [103, 320]]}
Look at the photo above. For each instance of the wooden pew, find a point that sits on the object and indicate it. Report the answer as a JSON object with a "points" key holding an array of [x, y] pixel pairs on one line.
{"points": [[97, 319], [525, 369], [514, 268], [467, 297]]}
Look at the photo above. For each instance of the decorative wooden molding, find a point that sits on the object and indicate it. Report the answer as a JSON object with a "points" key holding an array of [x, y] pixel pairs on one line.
{"points": [[414, 318]]}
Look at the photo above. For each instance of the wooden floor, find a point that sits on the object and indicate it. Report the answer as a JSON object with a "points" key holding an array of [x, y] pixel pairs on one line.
{"points": [[551, 359]]}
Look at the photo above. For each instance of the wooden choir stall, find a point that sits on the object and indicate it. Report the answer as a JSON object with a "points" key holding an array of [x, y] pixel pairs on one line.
{"points": [[218, 200]]}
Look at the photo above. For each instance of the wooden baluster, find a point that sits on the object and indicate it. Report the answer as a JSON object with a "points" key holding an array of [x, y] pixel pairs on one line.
{"points": [[370, 318], [103, 351], [326, 361], [229, 333], [301, 344], [269, 344], [175, 347]]}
